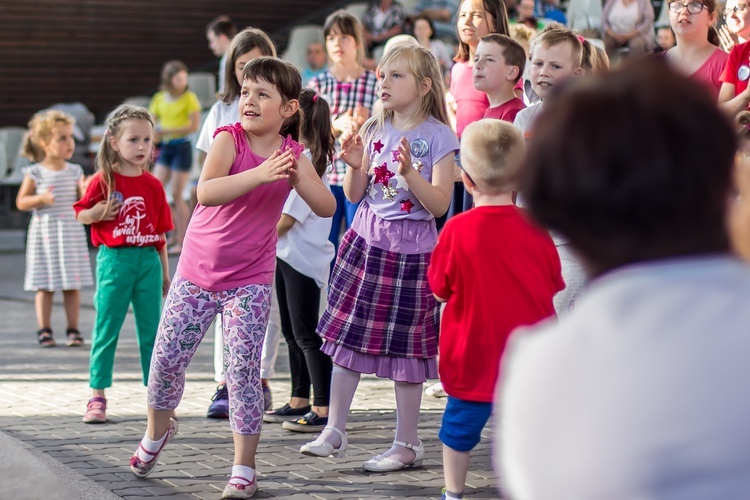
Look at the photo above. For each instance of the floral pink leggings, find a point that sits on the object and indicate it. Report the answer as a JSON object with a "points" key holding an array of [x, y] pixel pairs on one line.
{"points": [[187, 314]]}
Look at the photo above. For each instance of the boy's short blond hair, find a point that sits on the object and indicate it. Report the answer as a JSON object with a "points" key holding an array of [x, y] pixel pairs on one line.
{"points": [[491, 153], [552, 36]]}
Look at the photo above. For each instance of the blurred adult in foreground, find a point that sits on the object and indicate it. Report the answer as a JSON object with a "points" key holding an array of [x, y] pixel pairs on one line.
{"points": [[639, 392]]}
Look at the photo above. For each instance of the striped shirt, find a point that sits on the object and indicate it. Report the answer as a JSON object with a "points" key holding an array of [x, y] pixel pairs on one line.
{"points": [[57, 255], [343, 97]]}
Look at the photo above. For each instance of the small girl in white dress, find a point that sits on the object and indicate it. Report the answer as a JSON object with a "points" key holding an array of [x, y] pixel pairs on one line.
{"points": [[56, 250]]}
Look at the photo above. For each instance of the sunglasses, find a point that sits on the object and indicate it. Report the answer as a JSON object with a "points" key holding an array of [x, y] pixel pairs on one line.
{"points": [[458, 162]]}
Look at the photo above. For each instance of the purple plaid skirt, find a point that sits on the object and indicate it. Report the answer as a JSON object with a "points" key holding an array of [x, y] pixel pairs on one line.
{"points": [[380, 303]]}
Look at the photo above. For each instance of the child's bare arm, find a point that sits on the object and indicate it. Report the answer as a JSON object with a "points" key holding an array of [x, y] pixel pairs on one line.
{"points": [[285, 224], [216, 187], [27, 198], [102, 211], [164, 258], [311, 188]]}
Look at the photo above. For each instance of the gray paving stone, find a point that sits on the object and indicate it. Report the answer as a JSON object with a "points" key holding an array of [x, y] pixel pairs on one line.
{"points": [[44, 393]]}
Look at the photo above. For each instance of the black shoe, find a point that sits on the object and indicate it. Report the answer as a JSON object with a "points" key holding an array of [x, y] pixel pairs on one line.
{"points": [[284, 413], [310, 422], [220, 406]]}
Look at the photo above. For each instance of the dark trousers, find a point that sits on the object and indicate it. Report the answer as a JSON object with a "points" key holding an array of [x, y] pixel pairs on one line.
{"points": [[299, 302], [461, 202]]}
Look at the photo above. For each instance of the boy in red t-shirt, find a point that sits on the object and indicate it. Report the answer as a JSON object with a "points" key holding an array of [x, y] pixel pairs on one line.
{"points": [[498, 66], [495, 271]]}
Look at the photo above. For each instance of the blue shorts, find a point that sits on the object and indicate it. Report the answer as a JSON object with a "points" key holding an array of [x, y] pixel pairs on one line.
{"points": [[463, 422], [177, 155]]}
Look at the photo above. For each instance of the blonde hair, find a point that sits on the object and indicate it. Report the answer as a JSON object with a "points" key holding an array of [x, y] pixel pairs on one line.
{"points": [[522, 34], [554, 35], [40, 130], [594, 59], [422, 65], [492, 150], [107, 159]]}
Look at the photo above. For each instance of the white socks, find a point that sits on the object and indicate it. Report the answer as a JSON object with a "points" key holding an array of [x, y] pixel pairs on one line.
{"points": [[244, 472], [149, 445]]}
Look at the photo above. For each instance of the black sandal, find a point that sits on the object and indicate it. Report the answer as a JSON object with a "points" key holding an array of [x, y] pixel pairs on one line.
{"points": [[75, 339], [44, 337]]}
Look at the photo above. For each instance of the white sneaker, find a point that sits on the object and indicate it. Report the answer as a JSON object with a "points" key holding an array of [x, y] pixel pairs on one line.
{"points": [[436, 391]]}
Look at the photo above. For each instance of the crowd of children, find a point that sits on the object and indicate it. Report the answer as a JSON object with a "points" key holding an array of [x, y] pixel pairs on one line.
{"points": [[285, 168]]}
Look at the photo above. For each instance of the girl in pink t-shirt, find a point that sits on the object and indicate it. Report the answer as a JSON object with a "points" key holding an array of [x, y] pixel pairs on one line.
{"points": [[476, 19], [228, 261], [694, 53]]}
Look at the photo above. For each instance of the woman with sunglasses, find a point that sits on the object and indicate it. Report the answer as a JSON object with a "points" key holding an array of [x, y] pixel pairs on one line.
{"points": [[694, 55], [734, 95]]}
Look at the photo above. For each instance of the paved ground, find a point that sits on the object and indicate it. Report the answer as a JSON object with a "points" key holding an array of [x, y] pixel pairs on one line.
{"points": [[47, 452]]}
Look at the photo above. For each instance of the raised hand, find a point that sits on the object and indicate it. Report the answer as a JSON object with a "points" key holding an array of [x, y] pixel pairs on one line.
{"points": [[360, 116], [345, 123], [276, 167], [404, 158], [293, 172], [352, 151]]}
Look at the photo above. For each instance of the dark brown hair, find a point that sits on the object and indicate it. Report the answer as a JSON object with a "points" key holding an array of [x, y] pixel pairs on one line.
{"points": [[347, 24], [168, 71], [287, 80], [317, 130], [222, 25], [632, 165], [245, 41]]}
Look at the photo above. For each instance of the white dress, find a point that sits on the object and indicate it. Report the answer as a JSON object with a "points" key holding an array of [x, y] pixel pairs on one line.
{"points": [[57, 256]]}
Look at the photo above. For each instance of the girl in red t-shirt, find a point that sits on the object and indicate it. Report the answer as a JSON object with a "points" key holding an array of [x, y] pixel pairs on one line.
{"points": [[129, 216]]}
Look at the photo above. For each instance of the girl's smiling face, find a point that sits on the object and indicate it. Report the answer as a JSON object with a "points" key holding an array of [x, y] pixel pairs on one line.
{"points": [[262, 108], [738, 17], [473, 22]]}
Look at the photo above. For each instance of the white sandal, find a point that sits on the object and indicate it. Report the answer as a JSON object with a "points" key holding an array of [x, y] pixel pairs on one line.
{"points": [[387, 464], [321, 448]]}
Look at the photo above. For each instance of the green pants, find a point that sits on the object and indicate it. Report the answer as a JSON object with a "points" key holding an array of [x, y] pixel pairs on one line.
{"points": [[123, 276]]}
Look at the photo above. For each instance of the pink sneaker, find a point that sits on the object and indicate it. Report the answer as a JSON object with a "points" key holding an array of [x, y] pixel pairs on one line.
{"points": [[240, 487], [95, 411], [142, 469]]}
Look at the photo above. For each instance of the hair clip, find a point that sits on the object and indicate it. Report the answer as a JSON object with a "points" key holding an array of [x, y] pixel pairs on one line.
{"points": [[315, 97]]}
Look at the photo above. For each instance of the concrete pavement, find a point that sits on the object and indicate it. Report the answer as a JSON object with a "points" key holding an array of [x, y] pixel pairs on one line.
{"points": [[47, 452]]}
